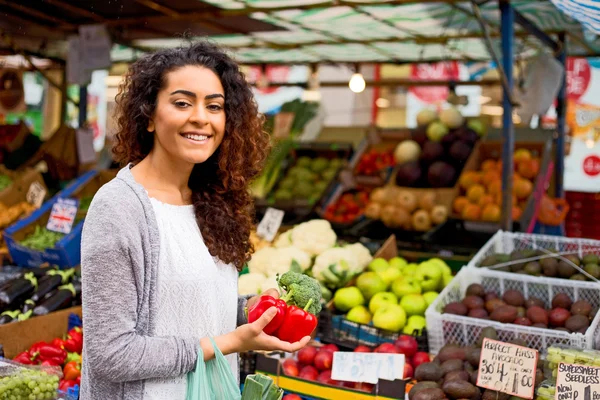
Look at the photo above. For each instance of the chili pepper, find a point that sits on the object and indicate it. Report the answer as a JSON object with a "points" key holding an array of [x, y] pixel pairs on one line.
{"points": [[262, 305], [23, 358], [297, 324], [66, 384], [74, 342], [71, 370]]}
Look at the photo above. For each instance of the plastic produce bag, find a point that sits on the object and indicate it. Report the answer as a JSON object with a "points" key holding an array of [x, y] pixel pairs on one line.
{"points": [[213, 379], [20, 381]]}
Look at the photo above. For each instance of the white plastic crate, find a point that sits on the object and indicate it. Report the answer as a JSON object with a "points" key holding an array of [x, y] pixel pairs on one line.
{"points": [[449, 328], [507, 242]]}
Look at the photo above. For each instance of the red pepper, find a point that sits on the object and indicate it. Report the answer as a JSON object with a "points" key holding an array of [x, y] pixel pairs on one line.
{"points": [[66, 384], [262, 305], [297, 324], [74, 342], [35, 348], [71, 370], [52, 362], [58, 343], [47, 352], [24, 358]]}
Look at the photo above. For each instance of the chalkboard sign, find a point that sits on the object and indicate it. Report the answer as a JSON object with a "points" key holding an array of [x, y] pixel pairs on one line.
{"points": [[577, 382], [507, 368]]}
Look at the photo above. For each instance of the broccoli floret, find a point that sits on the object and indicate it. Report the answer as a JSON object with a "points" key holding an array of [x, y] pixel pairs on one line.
{"points": [[301, 291]]}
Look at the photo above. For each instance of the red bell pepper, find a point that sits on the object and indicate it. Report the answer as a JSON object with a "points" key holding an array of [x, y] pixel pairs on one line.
{"points": [[262, 305], [24, 358], [74, 341], [297, 324], [58, 342], [71, 371], [65, 384], [46, 352]]}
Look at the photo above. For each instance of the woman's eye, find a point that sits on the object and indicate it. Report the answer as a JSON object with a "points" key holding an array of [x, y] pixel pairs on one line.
{"points": [[215, 107], [181, 104]]}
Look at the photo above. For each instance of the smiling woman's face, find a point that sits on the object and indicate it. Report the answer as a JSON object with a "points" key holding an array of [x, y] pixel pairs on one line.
{"points": [[189, 120]]}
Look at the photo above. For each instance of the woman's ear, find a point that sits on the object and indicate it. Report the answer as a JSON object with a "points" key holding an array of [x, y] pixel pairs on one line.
{"points": [[150, 126]]}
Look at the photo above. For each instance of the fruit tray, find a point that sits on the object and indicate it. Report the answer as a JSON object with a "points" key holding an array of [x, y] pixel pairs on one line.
{"points": [[338, 330], [450, 328], [511, 242]]}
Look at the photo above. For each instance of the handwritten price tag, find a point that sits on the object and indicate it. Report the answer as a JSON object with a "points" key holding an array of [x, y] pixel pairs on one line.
{"points": [[367, 367], [36, 194], [283, 124], [269, 225], [63, 215], [577, 382], [507, 368]]}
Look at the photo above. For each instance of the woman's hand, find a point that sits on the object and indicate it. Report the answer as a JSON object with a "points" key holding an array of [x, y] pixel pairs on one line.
{"points": [[271, 292], [251, 336]]}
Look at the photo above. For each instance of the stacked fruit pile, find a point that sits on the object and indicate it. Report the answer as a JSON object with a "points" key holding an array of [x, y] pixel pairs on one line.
{"points": [[398, 208], [307, 179], [375, 160], [348, 207], [481, 196], [546, 263], [393, 295], [438, 150], [513, 308]]}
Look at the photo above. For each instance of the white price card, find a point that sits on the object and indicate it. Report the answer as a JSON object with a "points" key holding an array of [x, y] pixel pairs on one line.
{"points": [[36, 194], [269, 225], [507, 368], [577, 382], [63, 215], [85, 145], [367, 367]]}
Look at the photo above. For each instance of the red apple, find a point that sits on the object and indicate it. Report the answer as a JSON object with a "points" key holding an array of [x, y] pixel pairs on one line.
{"points": [[363, 386], [407, 345], [323, 360], [307, 355], [420, 358], [290, 367], [291, 396], [386, 348], [325, 377], [309, 372], [330, 347], [362, 349], [408, 371]]}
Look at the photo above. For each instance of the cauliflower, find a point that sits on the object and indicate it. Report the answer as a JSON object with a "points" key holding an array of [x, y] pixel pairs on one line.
{"points": [[313, 237], [262, 261], [361, 253], [287, 255], [283, 240], [269, 283], [335, 267], [270, 261], [250, 284]]}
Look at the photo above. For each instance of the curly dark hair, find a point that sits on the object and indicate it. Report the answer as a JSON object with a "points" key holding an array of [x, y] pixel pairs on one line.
{"points": [[222, 202]]}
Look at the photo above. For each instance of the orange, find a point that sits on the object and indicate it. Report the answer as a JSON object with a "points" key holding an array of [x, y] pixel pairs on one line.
{"points": [[471, 212], [495, 187], [516, 213], [488, 165], [459, 203], [475, 192], [491, 213], [522, 188], [521, 154], [485, 200], [491, 176], [529, 168], [468, 179]]}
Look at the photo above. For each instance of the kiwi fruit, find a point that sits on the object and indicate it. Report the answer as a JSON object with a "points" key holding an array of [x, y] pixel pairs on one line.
{"points": [[576, 323], [581, 307], [429, 394], [452, 365], [562, 300], [421, 386], [574, 259], [475, 289], [533, 268], [590, 259], [513, 298], [429, 372], [593, 270], [549, 266], [460, 390]]}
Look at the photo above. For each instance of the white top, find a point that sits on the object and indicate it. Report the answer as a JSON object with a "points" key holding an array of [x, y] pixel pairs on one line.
{"points": [[197, 294]]}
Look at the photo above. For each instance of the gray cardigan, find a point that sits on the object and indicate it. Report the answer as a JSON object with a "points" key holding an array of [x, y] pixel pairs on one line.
{"points": [[119, 257]]}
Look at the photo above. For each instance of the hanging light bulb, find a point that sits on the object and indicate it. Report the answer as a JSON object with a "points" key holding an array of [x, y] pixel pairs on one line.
{"points": [[357, 83]]}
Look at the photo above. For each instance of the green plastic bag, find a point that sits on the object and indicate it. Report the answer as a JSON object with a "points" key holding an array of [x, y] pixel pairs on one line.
{"points": [[213, 379]]}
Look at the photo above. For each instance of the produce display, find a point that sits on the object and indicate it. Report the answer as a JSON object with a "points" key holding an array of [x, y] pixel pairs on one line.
{"points": [[438, 150], [348, 207], [21, 383], [261, 387], [8, 215], [393, 295], [374, 161], [28, 295], [546, 263], [402, 208], [481, 190], [512, 308], [307, 179]]}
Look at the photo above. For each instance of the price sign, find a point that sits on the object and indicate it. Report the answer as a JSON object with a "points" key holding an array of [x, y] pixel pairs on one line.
{"points": [[507, 368], [269, 225], [283, 124], [63, 215], [366, 367], [577, 382], [36, 194]]}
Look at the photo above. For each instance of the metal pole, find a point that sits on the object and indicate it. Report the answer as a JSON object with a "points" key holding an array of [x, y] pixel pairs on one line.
{"points": [[63, 96], [561, 115], [508, 133], [82, 105]]}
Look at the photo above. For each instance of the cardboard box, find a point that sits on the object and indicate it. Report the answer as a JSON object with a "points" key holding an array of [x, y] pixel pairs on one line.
{"points": [[19, 336], [385, 390], [17, 192], [67, 252]]}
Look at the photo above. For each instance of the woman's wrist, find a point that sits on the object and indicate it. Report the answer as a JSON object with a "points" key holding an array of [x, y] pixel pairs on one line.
{"points": [[228, 344]]}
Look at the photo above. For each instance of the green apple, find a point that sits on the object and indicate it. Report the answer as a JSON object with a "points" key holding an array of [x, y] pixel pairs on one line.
{"points": [[413, 304], [429, 276], [381, 299], [390, 317], [405, 285], [442, 264], [410, 269], [430, 297], [347, 298], [446, 279], [414, 323], [389, 275], [398, 262], [370, 283], [378, 264], [359, 314]]}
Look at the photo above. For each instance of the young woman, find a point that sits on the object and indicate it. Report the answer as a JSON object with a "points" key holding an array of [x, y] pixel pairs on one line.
{"points": [[163, 242]]}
